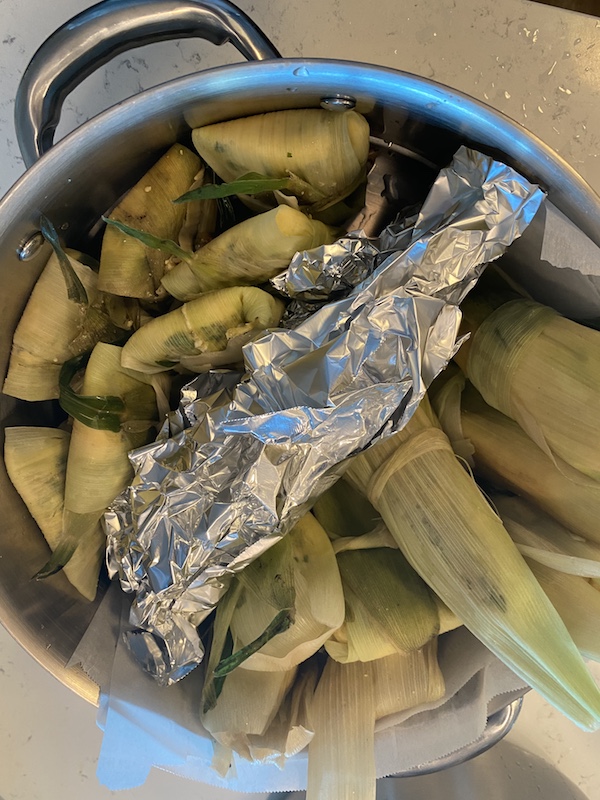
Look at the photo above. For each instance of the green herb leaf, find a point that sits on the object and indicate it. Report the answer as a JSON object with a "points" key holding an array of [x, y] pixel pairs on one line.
{"points": [[250, 183], [102, 412], [75, 288], [280, 623], [61, 556], [149, 240]]}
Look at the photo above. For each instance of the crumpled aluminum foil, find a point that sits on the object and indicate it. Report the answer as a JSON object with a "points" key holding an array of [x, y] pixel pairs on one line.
{"points": [[244, 458]]}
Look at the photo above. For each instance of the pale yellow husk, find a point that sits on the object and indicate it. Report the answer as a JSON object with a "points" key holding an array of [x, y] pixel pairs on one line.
{"points": [[214, 327], [36, 460], [249, 253], [453, 539], [98, 468], [47, 331], [344, 512], [543, 371], [127, 267], [341, 755], [389, 609], [246, 707], [326, 152], [578, 604], [306, 558], [505, 455], [543, 539]]}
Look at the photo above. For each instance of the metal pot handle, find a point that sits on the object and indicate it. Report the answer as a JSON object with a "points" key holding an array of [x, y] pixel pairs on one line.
{"points": [[108, 28]]}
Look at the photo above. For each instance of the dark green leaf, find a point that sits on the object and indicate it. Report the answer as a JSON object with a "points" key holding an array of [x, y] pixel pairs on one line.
{"points": [[75, 288], [61, 556], [250, 183], [102, 412], [280, 623], [149, 240]]}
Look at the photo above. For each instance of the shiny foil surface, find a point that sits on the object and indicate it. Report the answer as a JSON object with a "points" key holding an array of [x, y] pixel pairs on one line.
{"points": [[246, 455]]}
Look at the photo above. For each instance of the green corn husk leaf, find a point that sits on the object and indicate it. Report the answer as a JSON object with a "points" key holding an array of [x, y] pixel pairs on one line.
{"points": [[407, 680], [454, 540], [249, 253], [341, 755], [250, 183], [344, 512], [389, 608], [543, 371], [36, 460], [578, 604], [543, 539], [52, 329], [127, 266], [304, 562], [149, 240], [217, 323], [507, 457], [326, 152]]}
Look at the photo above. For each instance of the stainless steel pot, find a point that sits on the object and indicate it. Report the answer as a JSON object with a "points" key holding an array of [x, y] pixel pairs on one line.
{"points": [[77, 180]]}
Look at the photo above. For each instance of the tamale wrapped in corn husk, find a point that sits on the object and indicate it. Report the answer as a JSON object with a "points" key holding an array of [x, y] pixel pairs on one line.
{"points": [[455, 541], [250, 252], [541, 538], [543, 371], [578, 604], [127, 267], [325, 154], [52, 329], [207, 332], [98, 468], [36, 462], [506, 456], [389, 609], [303, 562]]}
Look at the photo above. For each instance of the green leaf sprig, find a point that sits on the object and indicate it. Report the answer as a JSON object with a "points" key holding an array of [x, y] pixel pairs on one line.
{"points": [[102, 412], [148, 239], [250, 183]]}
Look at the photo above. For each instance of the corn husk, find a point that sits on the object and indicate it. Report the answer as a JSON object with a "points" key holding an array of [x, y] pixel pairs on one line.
{"points": [[506, 456], [52, 329], [389, 608], [407, 680], [128, 267], [541, 538], [98, 468], [305, 559], [543, 371], [578, 604], [454, 540], [205, 332], [246, 707], [344, 512], [249, 253], [36, 461], [341, 755], [325, 154]]}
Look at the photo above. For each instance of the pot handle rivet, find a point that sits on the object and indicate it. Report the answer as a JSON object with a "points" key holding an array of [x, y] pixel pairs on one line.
{"points": [[30, 247], [338, 102]]}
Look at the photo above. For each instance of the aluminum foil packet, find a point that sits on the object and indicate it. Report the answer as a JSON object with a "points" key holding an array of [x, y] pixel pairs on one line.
{"points": [[246, 456]]}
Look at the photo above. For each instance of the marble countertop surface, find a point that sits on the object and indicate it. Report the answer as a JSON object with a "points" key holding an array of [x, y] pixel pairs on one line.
{"points": [[537, 64]]}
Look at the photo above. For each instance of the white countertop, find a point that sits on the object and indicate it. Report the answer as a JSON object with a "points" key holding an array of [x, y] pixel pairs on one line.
{"points": [[539, 65]]}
